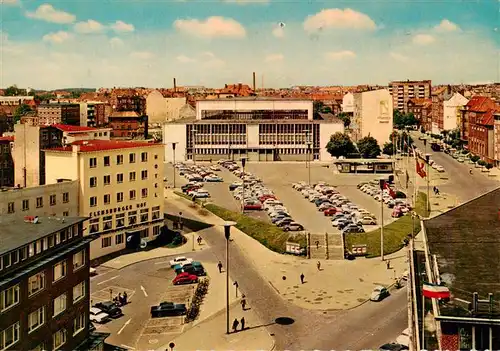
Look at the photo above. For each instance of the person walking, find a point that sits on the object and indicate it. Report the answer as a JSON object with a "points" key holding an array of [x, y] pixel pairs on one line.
{"points": [[242, 323], [219, 265], [235, 324], [318, 265], [302, 277], [317, 244], [125, 296], [243, 303]]}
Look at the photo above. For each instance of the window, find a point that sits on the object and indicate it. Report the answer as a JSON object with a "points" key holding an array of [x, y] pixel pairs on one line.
{"points": [[144, 215], [10, 208], [119, 197], [23, 253], [9, 297], [119, 178], [119, 159], [93, 162], [144, 156], [65, 213], [39, 202], [60, 304], [39, 347], [26, 205], [107, 199], [131, 177], [106, 161], [79, 323], [52, 200], [144, 174], [59, 271], [132, 194], [155, 212], [156, 156], [78, 291], [78, 260], [108, 222], [94, 225], [36, 319], [93, 201], [65, 197], [93, 182], [144, 192], [106, 242], [9, 336], [15, 257], [36, 283], [119, 239], [156, 230], [132, 217], [131, 158], [58, 339], [120, 220], [107, 180]]}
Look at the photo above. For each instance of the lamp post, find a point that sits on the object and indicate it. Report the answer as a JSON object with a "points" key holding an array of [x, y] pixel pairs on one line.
{"points": [[305, 149], [427, 158], [382, 186], [243, 162], [227, 234], [194, 131], [173, 151], [308, 156]]}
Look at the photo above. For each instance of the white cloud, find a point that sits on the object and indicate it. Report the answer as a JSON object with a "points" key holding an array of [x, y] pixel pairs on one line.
{"points": [[447, 26], [89, 26], [56, 37], [279, 32], [48, 13], [185, 59], [115, 42], [340, 55], [340, 19], [211, 27], [142, 55], [274, 58], [246, 2], [423, 39], [210, 60], [398, 57], [122, 27], [8, 2]]}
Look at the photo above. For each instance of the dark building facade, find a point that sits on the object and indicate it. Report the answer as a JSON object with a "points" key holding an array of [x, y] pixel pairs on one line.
{"points": [[59, 113], [45, 286], [6, 162]]}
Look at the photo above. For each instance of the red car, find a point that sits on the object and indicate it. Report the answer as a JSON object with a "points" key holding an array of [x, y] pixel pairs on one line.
{"points": [[330, 211], [185, 278], [265, 197], [253, 206]]}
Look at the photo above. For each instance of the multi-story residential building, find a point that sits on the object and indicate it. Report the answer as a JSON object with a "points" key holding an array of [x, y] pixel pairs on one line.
{"points": [[160, 109], [348, 103], [45, 285], [6, 161], [260, 129], [452, 111], [128, 125], [131, 103], [58, 113], [438, 97], [403, 91], [54, 200], [422, 110], [120, 189], [71, 133], [372, 115], [92, 114]]}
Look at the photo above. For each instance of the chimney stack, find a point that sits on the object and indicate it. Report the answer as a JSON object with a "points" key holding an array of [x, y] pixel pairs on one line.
{"points": [[175, 86], [253, 86]]}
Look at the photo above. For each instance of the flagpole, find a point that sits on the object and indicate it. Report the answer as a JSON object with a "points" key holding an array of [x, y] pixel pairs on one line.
{"points": [[381, 184], [423, 320]]}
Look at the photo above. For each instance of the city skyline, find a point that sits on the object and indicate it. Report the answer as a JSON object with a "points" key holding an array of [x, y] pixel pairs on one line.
{"points": [[48, 45]]}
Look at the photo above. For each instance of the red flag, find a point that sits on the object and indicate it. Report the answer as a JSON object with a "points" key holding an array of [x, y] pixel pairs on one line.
{"points": [[385, 185], [420, 164]]}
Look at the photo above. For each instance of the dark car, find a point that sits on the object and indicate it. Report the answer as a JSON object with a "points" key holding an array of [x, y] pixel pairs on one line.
{"points": [[284, 222], [110, 308], [344, 224], [167, 309], [393, 347], [195, 268]]}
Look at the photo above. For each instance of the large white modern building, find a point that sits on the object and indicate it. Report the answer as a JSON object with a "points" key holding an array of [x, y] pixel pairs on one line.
{"points": [[372, 115], [260, 129]]}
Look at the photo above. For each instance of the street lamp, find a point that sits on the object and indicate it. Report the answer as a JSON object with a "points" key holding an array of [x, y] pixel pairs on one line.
{"points": [[308, 154], [243, 162], [194, 131], [382, 187], [227, 234], [305, 149], [427, 159], [173, 151]]}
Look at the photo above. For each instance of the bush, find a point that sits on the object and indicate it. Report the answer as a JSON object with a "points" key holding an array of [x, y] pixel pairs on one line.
{"points": [[481, 163], [489, 166], [400, 195], [199, 295], [474, 158]]}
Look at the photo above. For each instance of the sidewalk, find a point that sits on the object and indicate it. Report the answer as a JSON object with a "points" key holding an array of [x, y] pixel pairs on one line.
{"points": [[211, 334]]}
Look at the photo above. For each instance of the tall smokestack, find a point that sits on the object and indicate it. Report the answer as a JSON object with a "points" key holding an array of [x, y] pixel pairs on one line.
{"points": [[175, 85], [254, 82]]}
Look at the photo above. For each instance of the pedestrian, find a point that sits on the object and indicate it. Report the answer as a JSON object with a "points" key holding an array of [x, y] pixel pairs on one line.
{"points": [[243, 303], [437, 191], [470, 171], [302, 276], [242, 323], [235, 324], [219, 265], [318, 265], [125, 297], [199, 240], [317, 244], [388, 264]]}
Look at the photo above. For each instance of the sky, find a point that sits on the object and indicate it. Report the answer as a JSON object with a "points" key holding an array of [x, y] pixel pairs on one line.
{"points": [[122, 43]]}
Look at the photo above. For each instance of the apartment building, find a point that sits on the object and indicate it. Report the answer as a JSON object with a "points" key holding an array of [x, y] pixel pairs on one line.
{"points": [[128, 125], [120, 189], [422, 110], [58, 113], [6, 161], [403, 91], [452, 111], [52, 200], [45, 285], [372, 115], [160, 109], [92, 114], [348, 103], [439, 96]]}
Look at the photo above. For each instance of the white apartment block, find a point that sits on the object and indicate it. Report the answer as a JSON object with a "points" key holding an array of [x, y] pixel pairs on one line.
{"points": [[259, 129], [348, 103], [372, 115], [452, 111], [404, 91], [120, 188]]}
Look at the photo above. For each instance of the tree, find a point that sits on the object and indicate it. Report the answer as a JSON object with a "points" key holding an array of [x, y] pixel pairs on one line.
{"points": [[489, 166], [344, 117], [20, 111], [340, 145], [475, 158], [388, 149], [368, 147], [13, 90]]}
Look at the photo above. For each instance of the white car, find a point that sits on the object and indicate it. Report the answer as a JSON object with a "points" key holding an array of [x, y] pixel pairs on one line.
{"points": [[181, 260], [92, 271], [98, 316], [367, 221], [404, 338]]}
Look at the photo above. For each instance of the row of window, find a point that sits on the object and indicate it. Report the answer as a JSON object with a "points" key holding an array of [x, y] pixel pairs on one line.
{"points": [[283, 151], [12, 334], [119, 178], [34, 248], [132, 219], [119, 159], [38, 202], [120, 238], [119, 197]]}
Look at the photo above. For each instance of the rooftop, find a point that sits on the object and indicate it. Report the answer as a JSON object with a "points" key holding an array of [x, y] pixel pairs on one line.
{"points": [[16, 232], [6, 138], [69, 128], [102, 145], [466, 242], [123, 114], [257, 98], [55, 104]]}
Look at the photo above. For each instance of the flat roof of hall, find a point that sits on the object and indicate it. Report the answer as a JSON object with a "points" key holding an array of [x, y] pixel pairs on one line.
{"points": [[15, 232], [256, 98]]}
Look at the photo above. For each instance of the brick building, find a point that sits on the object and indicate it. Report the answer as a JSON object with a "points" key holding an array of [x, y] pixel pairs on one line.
{"points": [[438, 98], [422, 110], [6, 162], [56, 113], [404, 91], [129, 119]]}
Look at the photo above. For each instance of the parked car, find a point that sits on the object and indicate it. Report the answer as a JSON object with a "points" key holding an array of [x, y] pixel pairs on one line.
{"points": [[283, 222], [179, 268], [167, 309], [110, 308], [330, 211], [213, 178], [98, 316], [200, 194], [185, 278], [393, 347], [367, 221], [352, 228], [235, 185], [404, 338], [379, 293], [396, 213], [293, 227], [252, 205], [180, 260]]}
